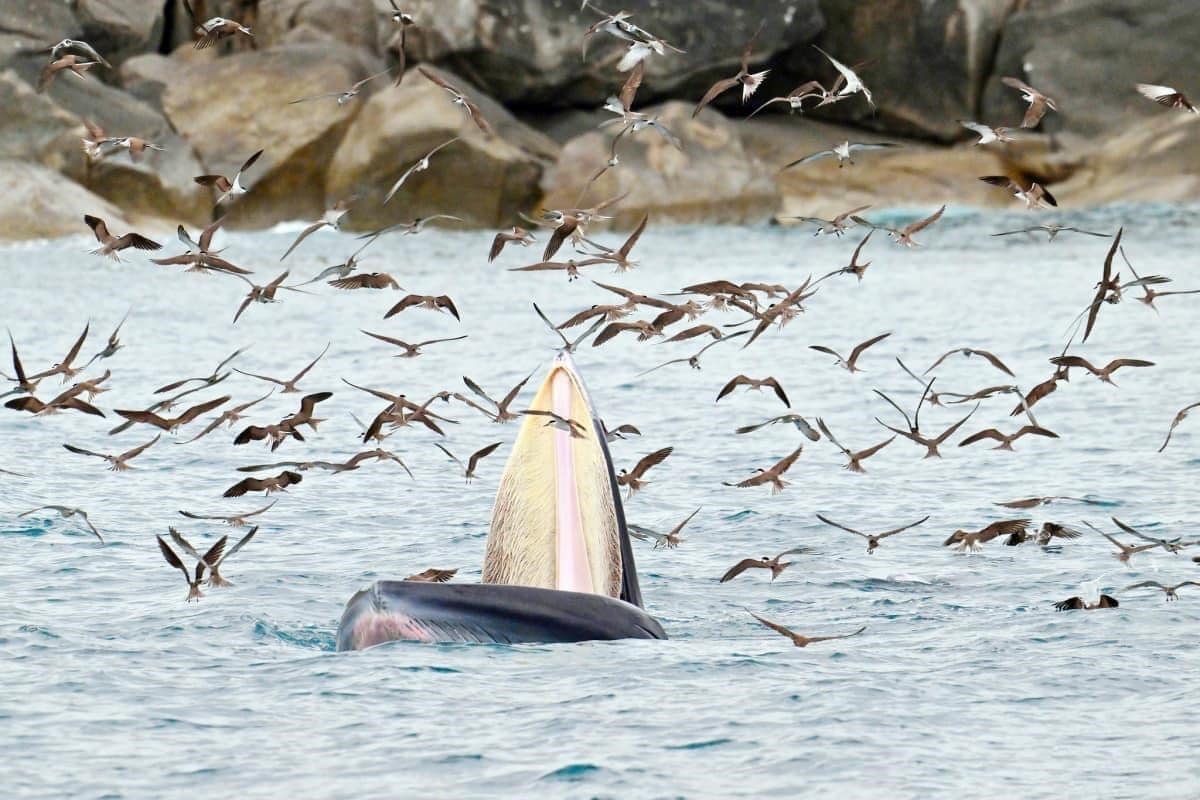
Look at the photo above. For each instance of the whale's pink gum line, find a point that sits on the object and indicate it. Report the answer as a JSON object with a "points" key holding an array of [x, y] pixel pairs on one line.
{"points": [[377, 627], [572, 574]]}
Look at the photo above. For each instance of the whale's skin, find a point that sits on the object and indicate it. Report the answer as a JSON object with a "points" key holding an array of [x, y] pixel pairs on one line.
{"points": [[487, 613]]}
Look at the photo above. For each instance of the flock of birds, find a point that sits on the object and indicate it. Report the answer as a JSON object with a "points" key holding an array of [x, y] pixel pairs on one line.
{"points": [[765, 309]]}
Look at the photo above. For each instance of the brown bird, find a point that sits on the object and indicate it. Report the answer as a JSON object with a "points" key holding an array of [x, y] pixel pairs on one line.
{"points": [[1149, 294], [914, 434], [1179, 417], [1109, 283], [410, 350], [173, 559], [460, 99], [229, 188], [304, 416], [431, 302], [621, 432], [76, 65], [262, 294], [213, 30], [288, 385], [433, 575], [1103, 373], [332, 218], [275, 434], [836, 226], [1035, 196], [620, 256], [800, 423], [1169, 591], [633, 478], [903, 236], [773, 475], [749, 81], [1077, 603], [776, 565], [1034, 502], [1052, 530], [111, 245], [968, 352], [1038, 102], [421, 165], [199, 256], [1006, 439], [799, 640], [872, 538], [756, 384], [66, 512], [275, 483], [117, 463], [473, 461], [216, 376], [213, 562], [502, 413], [1124, 551], [63, 367], [973, 540], [853, 268], [1176, 545], [1166, 96], [234, 520], [669, 540], [366, 280], [694, 360], [851, 362], [171, 424], [856, 459], [518, 235]]}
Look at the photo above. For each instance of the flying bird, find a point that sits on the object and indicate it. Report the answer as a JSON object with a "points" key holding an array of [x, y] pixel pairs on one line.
{"points": [[66, 512], [172, 558], [421, 165], [776, 565], [171, 424], [1038, 102], [288, 385], [1078, 603], [410, 350], [1103, 373], [345, 95], [234, 520], [856, 458], [473, 461], [229, 188], [749, 81], [440, 302], [433, 575], [852, 83], [844, 153], [669, 540], [757, 384], [851, 363], [1169, 591], [517, 235], [1179, 417], [213, 561], [974, 540], [275, 483], [987, 134], [1034, 196], [460, 99], [111, 245], [634, 478], [502, 413], [117, 463], [798, 639], [991, 358], [1166, 96], [214, 29], [1006, 439], [873, 539], [800, 423], [773, 475]]}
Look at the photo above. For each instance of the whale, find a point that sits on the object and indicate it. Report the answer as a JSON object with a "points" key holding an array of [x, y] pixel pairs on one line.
{"points": [[558, 564]]}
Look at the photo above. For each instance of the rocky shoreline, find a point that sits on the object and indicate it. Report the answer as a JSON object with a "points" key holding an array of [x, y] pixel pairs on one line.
{"points": [[928, 65]]}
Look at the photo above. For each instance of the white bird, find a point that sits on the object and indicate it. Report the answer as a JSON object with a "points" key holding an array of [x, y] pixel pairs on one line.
{"points": [[1166, 96], [842, 152], [421, 165], [854, 84], [987, 134]]}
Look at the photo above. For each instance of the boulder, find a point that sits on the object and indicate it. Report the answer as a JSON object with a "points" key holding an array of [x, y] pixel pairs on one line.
{"points": [[231, 107], [34, 127], [528, 52], [1087, 55], [145, 76], [119, 29], [926, 64], [350, 22], [484, 180], [38, 203], [28, 29], [714, 178]]}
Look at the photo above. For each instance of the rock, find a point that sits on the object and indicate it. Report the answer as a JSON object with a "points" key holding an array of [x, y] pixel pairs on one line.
{"points": [[926, 63], [39, 203], [715, 178], [146, 76], [1087, 55], [119, 29], [486, 181], [34, 127], [232, 106], [351, 22], [28, 29], [529, 51]]}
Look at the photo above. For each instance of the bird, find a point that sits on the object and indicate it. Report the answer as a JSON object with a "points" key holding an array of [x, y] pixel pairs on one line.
{"points": [[57, 50], [873, 539], [112, 345], [332, 218], [799, 640], [1006, 439], [836, 226], [694, 360], [621, 432], [212, 562], [851, 363], [669, 540], [1169, 591], [433, 575], [517, 235], [460, 99], [987, 134], [213, 554], [749, 81], [1149, 294], [1038, 102], [473, 461], [1124, 551], [288, 385], [65, 367], [800, 423], [991, 358], [854, 267], [229, 188], [410, 350], [421, 165], [903, 236], [502, 413], [216, 376], [345, 95], [1034, 502], [76, 65], [433, 303], [275, 483], [796, 97], [856, 459], [1052, 530], [110, 245], [634, 478], [171, 424], [1180, 416], [852, 85], [1103, 373], [1166, 96], [914, 434], [757, 384], [1053, 230], [366, 280], [233, 520], [66, 512], [773, 475], [213, 30], [844, 153], [776, 565], [262, 294], [117, 463], [1035, 196], [973, 540], [558, 422], [1077, 603], [1176, 545], [199, 256]]}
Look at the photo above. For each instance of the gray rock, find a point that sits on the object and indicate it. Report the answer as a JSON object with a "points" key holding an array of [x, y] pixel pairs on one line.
{"points": [[1088, 54], [38, 203], [27, 28], [350, 22], [119, 29], [529, 51], [485, 181], [34, 127]]}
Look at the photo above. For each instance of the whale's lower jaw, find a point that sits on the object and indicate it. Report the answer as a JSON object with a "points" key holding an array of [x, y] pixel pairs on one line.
{"points": [[486, 613]]}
